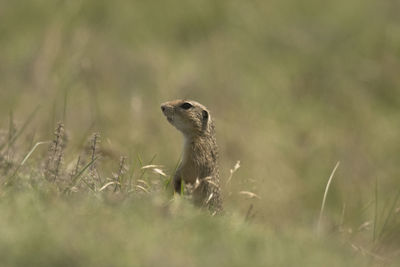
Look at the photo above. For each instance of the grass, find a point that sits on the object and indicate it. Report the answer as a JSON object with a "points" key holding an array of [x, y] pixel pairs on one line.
{"points": [[139, 232], [325, 195], [293, 87]]}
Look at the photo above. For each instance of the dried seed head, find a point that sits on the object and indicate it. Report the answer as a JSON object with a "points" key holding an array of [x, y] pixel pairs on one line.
{"points": [[56, 152]]}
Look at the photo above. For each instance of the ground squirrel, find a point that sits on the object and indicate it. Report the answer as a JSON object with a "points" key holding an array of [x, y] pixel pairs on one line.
{"points": [[199, 166]]}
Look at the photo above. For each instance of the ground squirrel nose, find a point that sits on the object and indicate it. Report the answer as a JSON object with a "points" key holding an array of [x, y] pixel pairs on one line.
{"points": [[163, 108]]}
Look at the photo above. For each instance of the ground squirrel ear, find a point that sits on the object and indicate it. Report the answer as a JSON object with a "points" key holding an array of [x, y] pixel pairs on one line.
{"points": [[205, 115], [205, 123]]}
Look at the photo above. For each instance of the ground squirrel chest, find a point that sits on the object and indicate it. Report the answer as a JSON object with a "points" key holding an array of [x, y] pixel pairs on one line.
{"points": [[199, 165]]}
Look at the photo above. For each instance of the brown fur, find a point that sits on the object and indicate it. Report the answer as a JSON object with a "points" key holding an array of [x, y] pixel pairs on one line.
{"points": [[199, 165]]}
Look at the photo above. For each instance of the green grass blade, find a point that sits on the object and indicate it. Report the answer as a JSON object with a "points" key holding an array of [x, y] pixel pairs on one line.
{"points": [[376, 210], [182, 187], [389, 215], [65, 105], [76, 177], [171, 177], [26, 123]]}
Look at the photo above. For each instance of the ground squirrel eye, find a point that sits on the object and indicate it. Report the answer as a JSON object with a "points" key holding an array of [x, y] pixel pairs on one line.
{"points": [[186, 105]]}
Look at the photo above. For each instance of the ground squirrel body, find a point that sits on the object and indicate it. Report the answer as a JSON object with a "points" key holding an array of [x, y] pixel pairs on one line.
{"points": [[199, 165]]}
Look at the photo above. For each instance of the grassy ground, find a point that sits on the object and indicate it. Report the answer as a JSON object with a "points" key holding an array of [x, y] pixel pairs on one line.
{"points": [[294, 88]]}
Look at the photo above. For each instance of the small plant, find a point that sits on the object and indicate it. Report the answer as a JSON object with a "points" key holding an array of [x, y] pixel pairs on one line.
{"points": [[52, 169], [94, 147], [119, 175]]}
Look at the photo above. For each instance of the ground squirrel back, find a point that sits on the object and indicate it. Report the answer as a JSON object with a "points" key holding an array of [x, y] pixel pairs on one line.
{"points": [[199, 165]]}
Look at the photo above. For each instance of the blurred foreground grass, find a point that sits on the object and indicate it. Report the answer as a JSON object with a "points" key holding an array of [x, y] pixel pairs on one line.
{"points": [[293, 86], [41, 229]]}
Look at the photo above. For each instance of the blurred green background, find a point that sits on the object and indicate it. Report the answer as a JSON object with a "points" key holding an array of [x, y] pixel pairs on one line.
{"points": [[294, 87]]}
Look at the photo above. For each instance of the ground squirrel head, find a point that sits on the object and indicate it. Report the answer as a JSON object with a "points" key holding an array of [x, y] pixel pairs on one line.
{"points": [[189, 117]]}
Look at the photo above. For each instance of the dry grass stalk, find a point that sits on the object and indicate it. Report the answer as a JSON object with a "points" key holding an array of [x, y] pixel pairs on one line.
{"points": [[12, 130], [121, 171], [249, 214], [27, 156], [7, 155], [143, 182], [209, 198], [232, 171], [151, 166], [160, 172], [94, 141], [325, 195], [249, 194], [56, 151], [142, 188], [94, 147], [107, 185], [210, 181]]}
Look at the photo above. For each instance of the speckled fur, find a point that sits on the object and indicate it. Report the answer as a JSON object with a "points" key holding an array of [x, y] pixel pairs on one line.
{"points": [[199, 165]]}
